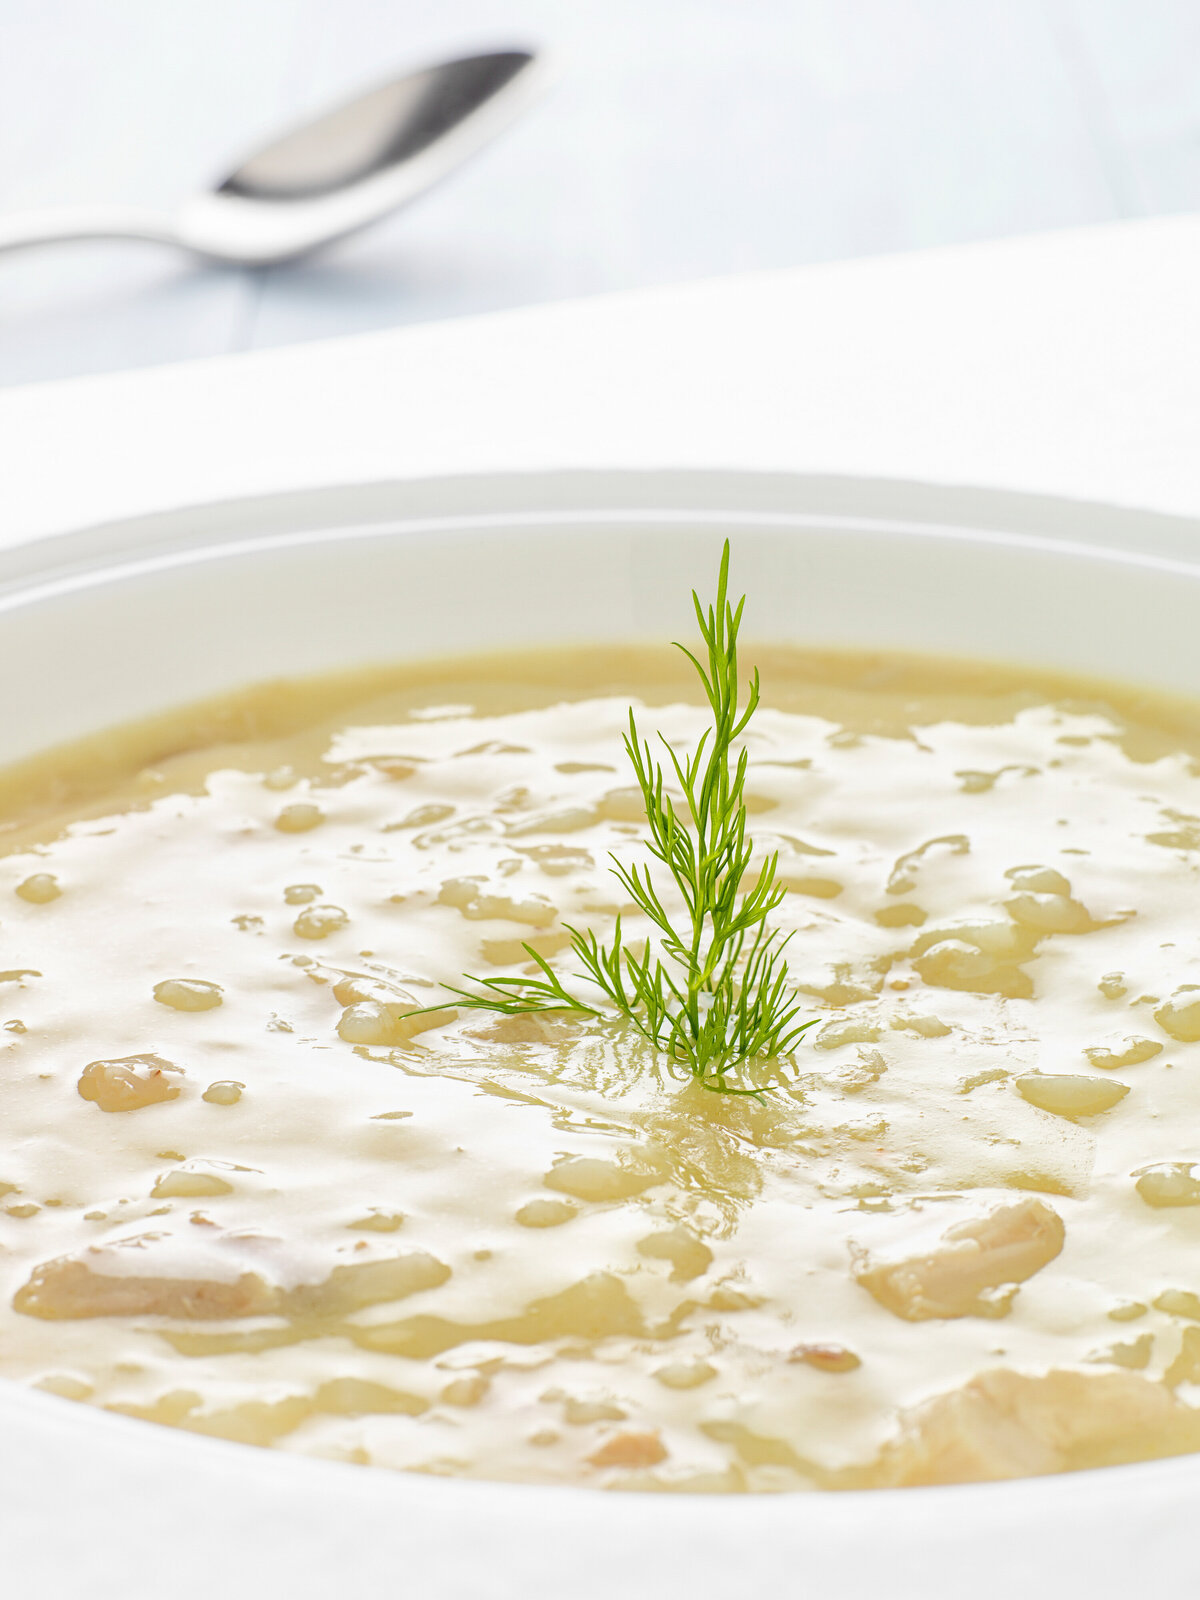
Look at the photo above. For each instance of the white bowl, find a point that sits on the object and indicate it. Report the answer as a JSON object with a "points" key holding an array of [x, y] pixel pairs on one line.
{"points": [[103, 625]]}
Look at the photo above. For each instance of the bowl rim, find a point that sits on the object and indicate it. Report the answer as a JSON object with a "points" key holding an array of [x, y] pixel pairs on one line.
{"points": [[712, 495]]}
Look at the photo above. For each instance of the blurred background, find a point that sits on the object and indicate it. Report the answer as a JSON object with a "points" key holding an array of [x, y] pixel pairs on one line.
{"points": [[683, 138]]}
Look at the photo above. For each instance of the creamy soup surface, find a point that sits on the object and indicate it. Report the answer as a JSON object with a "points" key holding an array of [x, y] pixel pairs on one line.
{"points": [[958, 1238]]}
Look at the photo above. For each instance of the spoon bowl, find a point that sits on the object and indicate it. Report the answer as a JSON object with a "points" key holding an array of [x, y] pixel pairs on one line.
{"points": [[328, 177]]}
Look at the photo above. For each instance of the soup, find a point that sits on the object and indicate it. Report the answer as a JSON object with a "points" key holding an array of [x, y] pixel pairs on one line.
{"points": [[263, 1180]]}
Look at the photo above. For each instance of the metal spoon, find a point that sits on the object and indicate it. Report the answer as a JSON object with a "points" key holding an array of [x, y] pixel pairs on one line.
{"points": [[336, 174]]}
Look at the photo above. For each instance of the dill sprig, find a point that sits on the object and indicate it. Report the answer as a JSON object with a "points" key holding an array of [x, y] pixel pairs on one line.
{"points": [[711, 991]]}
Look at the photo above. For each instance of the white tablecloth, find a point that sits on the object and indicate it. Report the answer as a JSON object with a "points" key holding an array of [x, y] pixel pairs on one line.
{"points": [[1066, 364]]}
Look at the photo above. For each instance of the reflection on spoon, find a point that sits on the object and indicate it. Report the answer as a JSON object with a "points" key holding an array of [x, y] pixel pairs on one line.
{"points": [[338, 173]]}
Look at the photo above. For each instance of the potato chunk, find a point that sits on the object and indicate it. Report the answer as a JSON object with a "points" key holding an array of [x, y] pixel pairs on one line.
{"points": [[592, 1178], [367, 1283], [1129, 1052], [1169, 1183], [188, 994], [382, 1024], [1067, 1095], [70, 1290], [826, 1357], [1007, 1424], [629, 1449], [972, 1267], [129, 1083], [1180, 1016], [120, 1281], [688, 1255]]}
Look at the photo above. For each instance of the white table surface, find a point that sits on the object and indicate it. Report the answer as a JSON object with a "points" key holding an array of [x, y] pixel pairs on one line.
{"points": [[685, 138], [1067, 364]]}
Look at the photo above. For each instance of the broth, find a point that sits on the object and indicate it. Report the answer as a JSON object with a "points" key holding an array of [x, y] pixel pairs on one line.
{"points": [[957, 1238]]}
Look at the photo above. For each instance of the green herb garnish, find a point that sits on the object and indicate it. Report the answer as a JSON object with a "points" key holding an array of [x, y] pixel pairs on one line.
{"points": [[715, 993]]}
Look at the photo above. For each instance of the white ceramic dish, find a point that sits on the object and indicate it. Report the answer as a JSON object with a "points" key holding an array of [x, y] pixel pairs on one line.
{"points": [[107, 624]]}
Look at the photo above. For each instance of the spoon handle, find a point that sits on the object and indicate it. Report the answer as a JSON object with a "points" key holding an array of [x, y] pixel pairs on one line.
{"points": [[22, 229]]}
